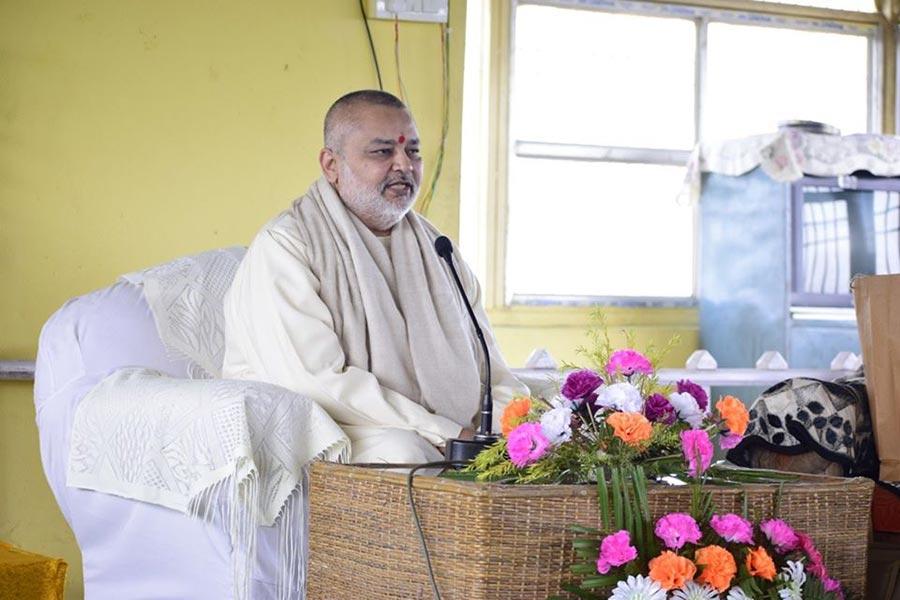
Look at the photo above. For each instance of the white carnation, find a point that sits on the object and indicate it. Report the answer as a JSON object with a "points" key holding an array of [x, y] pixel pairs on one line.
{"points": [[687, 408], [621, 396], [556, 425]]}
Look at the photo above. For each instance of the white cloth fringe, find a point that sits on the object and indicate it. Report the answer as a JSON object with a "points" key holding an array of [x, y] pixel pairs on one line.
{"points": [[225, 451]]}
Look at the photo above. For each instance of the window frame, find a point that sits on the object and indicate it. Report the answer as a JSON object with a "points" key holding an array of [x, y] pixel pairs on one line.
{"points": [[491, 261]]}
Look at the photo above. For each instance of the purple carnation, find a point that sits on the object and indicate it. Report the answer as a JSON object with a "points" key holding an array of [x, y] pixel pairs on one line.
{"points": [[628, 362], [659, 409], [581, 384], [699, 394]]}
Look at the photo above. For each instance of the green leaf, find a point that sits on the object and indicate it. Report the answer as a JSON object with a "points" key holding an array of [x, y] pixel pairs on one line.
{"points": [[584, 568], [584, 554], [580, 593], [603, 500], [629, 512], [617, 500], [600, 581], [776, 504]]}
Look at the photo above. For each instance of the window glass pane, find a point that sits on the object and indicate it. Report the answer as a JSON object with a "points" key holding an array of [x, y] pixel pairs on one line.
{"points": [[598, 229], [588, 77], [826, 246], [757, 77], [887, 232], [855, 5]]}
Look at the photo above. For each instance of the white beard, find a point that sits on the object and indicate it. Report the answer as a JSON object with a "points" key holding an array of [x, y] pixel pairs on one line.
{"points": [[368, 203]]}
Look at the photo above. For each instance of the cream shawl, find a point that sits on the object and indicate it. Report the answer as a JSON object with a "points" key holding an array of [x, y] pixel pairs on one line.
{"points": [[396, 312]]}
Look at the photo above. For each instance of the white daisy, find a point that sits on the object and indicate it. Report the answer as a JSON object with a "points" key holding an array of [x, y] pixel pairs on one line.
{"points": [[792, 592], [793, 577], [695, 591], [621, 396], [737, 593], [638, 588], [793, 572]]}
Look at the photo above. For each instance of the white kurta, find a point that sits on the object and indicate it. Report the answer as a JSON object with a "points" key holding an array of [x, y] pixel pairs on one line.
{"points": [[278, 330]]}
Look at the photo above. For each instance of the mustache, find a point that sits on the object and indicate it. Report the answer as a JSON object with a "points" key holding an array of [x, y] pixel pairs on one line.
{"points": [[400, 178]]}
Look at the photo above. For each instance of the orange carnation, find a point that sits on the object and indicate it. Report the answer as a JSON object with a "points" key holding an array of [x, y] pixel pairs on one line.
{"points": [[631, 428], [734, 413], [514, 413], [760, 564], [718, 565], [671, 571]]}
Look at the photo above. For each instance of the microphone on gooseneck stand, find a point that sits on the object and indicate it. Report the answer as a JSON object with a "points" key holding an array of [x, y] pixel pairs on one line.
{"points": [[459, 449]]}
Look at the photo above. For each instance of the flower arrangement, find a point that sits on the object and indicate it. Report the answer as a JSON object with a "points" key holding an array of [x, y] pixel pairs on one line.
{"points": [[693, 556], [612, 415]]}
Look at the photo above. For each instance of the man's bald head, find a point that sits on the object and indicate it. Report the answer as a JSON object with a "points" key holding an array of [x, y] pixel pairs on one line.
{"points": [[342, 115]]}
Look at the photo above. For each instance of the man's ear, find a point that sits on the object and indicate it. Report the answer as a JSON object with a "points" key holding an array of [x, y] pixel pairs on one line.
{"points": [[328, 161]]}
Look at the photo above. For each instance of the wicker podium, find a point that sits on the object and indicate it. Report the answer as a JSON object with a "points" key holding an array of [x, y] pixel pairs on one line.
{"points": [[499, 542]]}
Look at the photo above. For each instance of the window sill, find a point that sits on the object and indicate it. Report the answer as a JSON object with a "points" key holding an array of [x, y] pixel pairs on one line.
{"points": [[823, 313]]}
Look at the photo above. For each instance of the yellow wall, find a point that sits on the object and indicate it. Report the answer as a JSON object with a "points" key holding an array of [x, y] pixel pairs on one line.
{"points": [[133, 132]]}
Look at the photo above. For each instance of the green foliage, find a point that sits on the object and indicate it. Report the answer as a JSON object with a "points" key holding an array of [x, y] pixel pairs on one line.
{"points": [[701, 502], [623, 504], [601, 347], [492, 464]]}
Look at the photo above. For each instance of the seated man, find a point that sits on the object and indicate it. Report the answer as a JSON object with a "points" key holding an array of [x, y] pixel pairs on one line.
{"points": [[343, 299]]}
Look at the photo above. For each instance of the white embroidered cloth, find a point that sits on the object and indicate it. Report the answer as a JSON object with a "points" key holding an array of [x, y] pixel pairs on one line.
{"points": [[186, 296], [209, 448], [789, 155]]}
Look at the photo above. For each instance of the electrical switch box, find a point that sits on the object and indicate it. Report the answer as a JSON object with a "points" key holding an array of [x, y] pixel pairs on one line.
{"points": [[429, 11]]}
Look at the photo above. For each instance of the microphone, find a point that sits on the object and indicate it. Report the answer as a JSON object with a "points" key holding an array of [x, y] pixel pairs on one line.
{"points": [[458, 449]]}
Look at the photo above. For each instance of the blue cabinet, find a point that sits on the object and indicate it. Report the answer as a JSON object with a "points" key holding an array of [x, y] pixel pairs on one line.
{"points": [[747, 250]]}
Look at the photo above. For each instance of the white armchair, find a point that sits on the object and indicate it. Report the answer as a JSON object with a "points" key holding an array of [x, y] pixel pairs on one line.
{"points": [[133, 549]]}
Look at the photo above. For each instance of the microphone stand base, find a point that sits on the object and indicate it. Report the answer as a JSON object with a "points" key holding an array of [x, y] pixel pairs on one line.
{"points": [[466, 450]]}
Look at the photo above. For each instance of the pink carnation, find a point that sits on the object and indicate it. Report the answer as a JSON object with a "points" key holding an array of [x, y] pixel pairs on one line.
{"points": [[615, 551], [696, 446], [677, 529], [781, 535], [732, 528], [816, 564], [729, 440], [526, 444], [833, 585], [628, 362]]}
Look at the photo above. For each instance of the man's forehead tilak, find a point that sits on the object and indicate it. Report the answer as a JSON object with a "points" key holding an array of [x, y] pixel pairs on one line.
{"points": [[400, 140]]}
